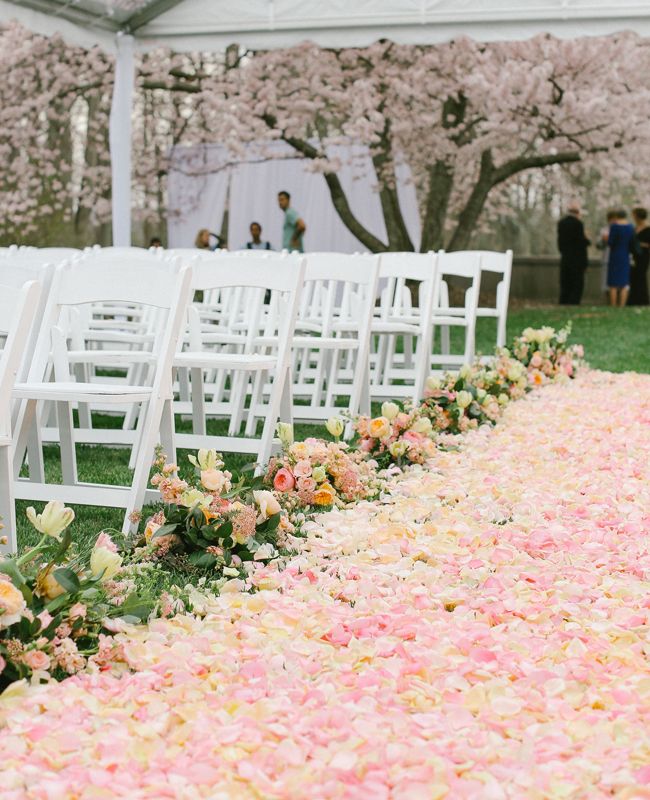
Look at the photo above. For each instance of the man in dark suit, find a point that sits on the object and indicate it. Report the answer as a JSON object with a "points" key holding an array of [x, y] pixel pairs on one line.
{"points": [[572, 244]]}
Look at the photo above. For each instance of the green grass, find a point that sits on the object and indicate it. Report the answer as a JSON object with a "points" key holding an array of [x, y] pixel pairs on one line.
{"points": [[614, 339]]}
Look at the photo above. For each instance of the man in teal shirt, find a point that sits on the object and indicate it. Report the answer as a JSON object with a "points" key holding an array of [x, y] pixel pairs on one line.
{"points": [[294, 227]]}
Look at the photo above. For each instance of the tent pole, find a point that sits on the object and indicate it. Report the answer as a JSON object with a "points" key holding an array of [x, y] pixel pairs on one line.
{"points": [[120, 140]]}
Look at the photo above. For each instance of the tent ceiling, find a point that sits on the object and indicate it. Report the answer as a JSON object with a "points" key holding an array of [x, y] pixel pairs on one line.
{"points": [[210, 24]]}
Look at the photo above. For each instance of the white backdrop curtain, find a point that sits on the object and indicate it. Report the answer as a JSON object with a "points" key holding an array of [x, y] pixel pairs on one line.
{"points": [[197, 188], [199, 178]]}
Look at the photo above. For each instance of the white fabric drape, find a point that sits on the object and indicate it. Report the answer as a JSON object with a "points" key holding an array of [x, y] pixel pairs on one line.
{"points": [[197, 192], [199, 177], [120, 140]]}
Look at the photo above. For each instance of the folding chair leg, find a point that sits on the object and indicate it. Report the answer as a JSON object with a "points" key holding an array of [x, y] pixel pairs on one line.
{"points": [[144, 458], [82, 373], [237, 402], [66, 443], [257, 397], [198, 401], [167, 438], [138, 435], [29, 443], [7, 507], [280, 403], [183, 385]]}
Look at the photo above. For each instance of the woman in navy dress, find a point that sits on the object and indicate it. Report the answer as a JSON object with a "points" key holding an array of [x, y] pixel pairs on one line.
{"points": [[621, 246]]}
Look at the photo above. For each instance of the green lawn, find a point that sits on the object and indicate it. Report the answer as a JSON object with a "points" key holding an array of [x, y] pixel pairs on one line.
{"points": [[614, 339]]}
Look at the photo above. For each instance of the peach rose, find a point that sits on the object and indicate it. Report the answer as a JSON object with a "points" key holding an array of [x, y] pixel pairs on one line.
{"points": [[12, 603], [379, 428], [284, 480], [214, 480]]}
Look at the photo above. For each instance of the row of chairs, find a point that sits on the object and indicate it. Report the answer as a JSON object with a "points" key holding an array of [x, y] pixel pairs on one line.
{"points": [[177, 339]]}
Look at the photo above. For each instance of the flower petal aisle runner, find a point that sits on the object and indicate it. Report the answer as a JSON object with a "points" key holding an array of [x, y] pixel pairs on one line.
{"points": [[482, 634]]}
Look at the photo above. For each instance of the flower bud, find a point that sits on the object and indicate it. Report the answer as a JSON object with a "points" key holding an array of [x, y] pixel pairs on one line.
{"points": [[335, 427], [389, 410]]}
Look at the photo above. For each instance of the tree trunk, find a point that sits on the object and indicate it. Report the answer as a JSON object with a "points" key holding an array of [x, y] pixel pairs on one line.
{"points": [[441, 182], [398, 235]]}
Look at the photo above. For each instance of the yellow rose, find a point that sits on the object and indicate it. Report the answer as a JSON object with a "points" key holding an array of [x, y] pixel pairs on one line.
{"points": [[379, 428], [105, 563], [398, 449], [193, 497], [12, 604], [53, 520], [267, 503], [324, 495], [47, 585], [422, 425]]}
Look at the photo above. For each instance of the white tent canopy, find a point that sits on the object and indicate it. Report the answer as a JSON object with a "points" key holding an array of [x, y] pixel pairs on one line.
{"points": [[125, 25], [214, 24]]}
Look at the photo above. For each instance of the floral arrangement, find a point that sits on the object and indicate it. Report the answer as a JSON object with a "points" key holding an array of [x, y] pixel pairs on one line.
{"points": [[217, 523], [57, 615], [401, 435], [547, 355], [317, 475]]}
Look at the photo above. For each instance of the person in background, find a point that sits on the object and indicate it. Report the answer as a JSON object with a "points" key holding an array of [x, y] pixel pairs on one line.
{"points": [[294, 227], [155, 242], [639, 274], [256, 242], [203, 242], [601, 244], [621, 243], [572, 244]]}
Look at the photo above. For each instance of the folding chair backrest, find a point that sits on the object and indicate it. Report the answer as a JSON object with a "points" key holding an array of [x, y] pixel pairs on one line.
{"points": [[75, 285], [395, 269], [18, 308]]}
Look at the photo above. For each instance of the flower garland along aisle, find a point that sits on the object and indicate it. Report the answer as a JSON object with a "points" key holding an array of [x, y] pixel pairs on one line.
{"points": [[57, 615]]}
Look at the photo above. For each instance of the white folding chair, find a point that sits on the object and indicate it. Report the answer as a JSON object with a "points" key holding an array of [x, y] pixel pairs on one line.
{"points": [[499, 264], [75, 286], [403, 374], [331, 348], [18, 309], [264, 354], [457, 265]]}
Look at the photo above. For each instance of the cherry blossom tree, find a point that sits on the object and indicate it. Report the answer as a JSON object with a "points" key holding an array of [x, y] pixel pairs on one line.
{"points": [[54, 100], [466, 117]]}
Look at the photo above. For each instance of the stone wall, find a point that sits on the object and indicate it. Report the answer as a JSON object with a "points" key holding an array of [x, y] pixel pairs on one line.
{"points": [[537, 279]]}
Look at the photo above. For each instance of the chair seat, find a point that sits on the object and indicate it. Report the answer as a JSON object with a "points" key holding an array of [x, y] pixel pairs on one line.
{"points": [[248, 361], [82, 392], [325, 342], [388, 326], [111, 357]]}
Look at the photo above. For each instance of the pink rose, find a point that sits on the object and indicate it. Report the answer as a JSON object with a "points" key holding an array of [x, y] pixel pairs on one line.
{"points": [[536, 361], [36, 659], [413, 437], [105, 541], [302, 469], [307, 484], [284, 480]]}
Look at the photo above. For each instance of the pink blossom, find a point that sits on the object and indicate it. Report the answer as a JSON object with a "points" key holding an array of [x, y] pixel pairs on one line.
{"points": [[284, 480]]}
